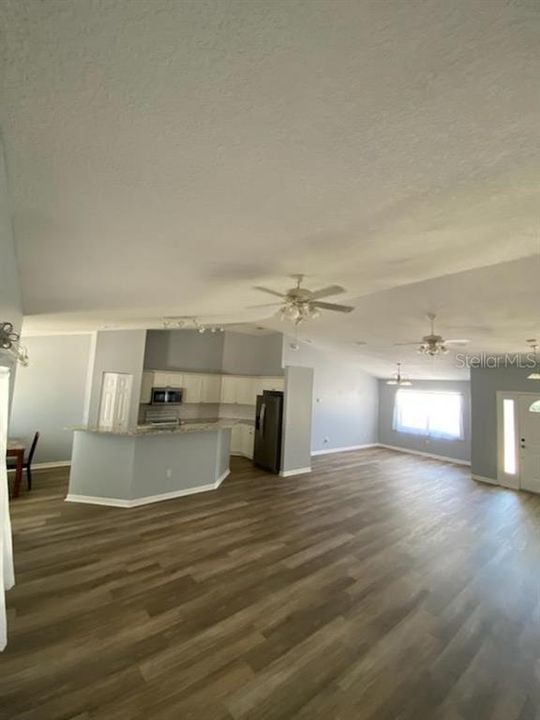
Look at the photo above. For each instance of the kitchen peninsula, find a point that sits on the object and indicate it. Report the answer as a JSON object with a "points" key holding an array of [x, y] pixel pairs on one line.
{"points": [[142, 465]]}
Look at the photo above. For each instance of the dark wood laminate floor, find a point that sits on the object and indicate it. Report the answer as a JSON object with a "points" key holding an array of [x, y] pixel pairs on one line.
{"points": [[381, 586]]}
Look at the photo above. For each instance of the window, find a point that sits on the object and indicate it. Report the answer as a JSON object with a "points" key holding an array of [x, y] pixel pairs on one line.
{"points": [[509, 433], [433, 414], [535, 407]]}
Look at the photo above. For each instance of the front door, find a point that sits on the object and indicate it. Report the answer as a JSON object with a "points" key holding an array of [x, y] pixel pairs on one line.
{"points": [[529, 442]]}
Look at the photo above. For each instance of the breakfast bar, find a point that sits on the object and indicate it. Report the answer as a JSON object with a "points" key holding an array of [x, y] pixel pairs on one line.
{"points": [[142, 465]]}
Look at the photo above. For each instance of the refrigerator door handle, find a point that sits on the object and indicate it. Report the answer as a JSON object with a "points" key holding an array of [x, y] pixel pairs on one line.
{"points": [[261, 419]]}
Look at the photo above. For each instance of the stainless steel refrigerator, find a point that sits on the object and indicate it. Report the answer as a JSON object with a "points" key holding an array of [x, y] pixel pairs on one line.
{"points": [[268, 424]]}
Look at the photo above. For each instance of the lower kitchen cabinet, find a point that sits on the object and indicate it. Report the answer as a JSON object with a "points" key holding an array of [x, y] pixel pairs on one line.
{"points": [[242, 438]]}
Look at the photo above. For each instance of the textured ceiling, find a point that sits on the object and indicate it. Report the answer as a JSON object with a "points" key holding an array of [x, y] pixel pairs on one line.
{"points": [[165, 157]]}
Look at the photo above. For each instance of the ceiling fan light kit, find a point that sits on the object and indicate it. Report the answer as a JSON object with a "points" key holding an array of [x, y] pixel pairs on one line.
{"points": [[434, 345], [299, 304]]}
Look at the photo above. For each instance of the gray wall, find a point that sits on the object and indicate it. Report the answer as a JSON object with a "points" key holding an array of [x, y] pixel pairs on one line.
{"points": [[117, 351], [297, 418], [345, 398], [184, 350], [50, 393], [485, 382], [10, 298], [128, 467], [245, 354], [456, 449], [227, 352]]}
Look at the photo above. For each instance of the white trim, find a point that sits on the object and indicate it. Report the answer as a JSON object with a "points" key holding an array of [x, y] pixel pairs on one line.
{"points": [[444, 458], [94, 500], [46, 465], [53, 464], [297, 471], [343, 449], [89, 377], [137, 502], [489, 481]]}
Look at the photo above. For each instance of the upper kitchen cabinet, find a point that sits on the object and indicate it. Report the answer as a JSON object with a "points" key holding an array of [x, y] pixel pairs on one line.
{"points": [[239, 390], [146, 387], [270, 383], [168, 379], [211, 389], [192, 388]]}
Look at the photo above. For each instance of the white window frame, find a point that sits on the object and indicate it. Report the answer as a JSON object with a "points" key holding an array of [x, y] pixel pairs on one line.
{"points": [[428, 434]]}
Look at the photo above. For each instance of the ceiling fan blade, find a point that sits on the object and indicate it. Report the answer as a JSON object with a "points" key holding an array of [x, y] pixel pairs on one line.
{"points": [[409, 343], [270, 292], [333, 306], [255, 307], [327, 291], [457, 342]]}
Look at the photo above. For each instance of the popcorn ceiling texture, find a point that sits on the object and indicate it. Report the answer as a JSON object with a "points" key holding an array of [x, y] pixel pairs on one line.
{"points": [[165, 157]]}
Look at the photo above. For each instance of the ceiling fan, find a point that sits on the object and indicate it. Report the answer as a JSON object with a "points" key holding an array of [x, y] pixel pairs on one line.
{"points": [[433, 344], [299, 304]]}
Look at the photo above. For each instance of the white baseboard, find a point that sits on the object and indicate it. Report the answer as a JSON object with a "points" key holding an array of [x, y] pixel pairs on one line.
{"points": [[48, 465], [137, 502], [56, 464], [297, 471], [343, 449], [489, 481], [444, 458]]}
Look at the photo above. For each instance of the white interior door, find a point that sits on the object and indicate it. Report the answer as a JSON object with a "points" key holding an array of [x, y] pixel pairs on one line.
{"points": [[115, 400], [529, 442]]}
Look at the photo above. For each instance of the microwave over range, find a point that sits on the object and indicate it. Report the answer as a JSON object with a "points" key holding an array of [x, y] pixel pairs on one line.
{"points": [[166, 396]]}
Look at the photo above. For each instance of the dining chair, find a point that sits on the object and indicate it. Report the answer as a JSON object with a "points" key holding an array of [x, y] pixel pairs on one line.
{"points": [[27, 464]]}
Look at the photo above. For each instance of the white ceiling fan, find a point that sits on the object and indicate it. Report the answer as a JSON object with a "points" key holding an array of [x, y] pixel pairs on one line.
{"points": [[433, 344], [299, 304]]}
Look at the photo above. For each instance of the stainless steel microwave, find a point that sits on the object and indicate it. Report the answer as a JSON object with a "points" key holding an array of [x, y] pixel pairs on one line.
{"points": [[166, 396]]}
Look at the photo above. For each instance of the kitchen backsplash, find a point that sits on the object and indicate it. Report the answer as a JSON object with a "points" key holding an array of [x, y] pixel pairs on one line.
{"points": [[190, 411]]}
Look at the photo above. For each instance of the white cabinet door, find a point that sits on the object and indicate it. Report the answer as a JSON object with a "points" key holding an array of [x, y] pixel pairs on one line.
{"points": [[271, 383], [228, 390], [247, 440], [246, 390], [168, 379], [146, 387], [237, 444], [211, 388], [192, 388]]}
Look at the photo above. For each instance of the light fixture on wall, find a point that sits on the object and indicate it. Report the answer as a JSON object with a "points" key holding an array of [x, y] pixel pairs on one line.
{"points": [[533, 344], [398, 379], [10, 343], [190, 323]]}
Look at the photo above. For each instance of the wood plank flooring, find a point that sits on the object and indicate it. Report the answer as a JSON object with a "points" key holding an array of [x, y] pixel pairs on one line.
{"points": [[381, 586]]}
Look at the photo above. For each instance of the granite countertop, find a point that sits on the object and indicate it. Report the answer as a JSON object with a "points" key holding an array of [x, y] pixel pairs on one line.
{"points": [[143, 430]]}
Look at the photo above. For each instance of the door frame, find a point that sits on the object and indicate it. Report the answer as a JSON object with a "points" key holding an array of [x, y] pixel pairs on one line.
{"points": [[510, 481]]}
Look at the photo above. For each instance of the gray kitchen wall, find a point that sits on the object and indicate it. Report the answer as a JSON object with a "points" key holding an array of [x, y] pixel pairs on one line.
{"points": [[297, 420], [228, 352], [184, 350], [10, 297], [117, 351], [50, 393], [456, 449], [245, 354], [345, 398], [485, 382]]}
